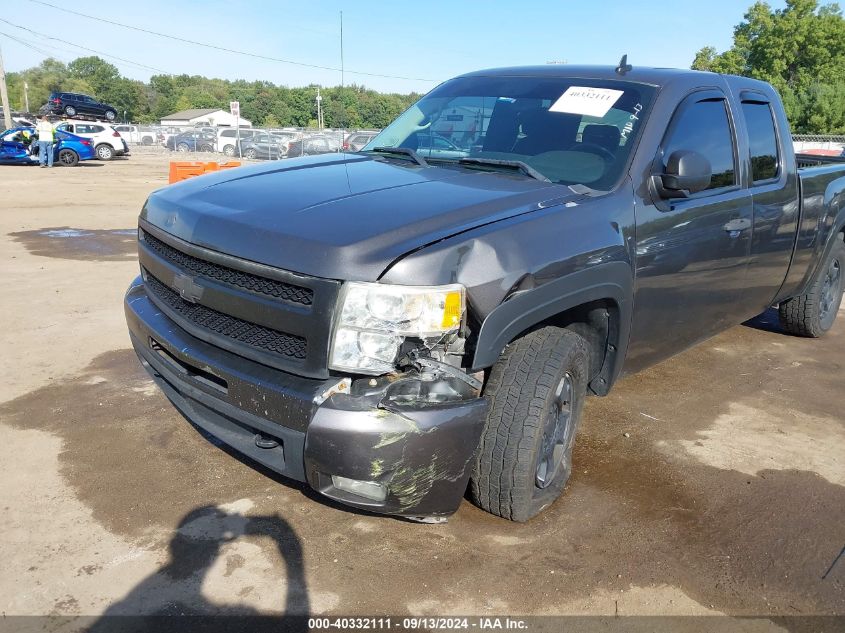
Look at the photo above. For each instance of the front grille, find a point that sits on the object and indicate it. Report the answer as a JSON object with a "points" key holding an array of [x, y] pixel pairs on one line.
{"points": [[251, 334], [223, 274]]}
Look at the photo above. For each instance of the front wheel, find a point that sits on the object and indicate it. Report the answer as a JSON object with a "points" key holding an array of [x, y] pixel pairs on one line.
{"points": [[536, 392], [206, 148], [105, 152], [229, 150], [68, 158], [250, 153], [812, 314], [111, 115], [182, 147]]}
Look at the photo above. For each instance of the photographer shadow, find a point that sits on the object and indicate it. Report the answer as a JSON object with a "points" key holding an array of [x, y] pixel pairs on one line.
{"points": [[171, 599]]}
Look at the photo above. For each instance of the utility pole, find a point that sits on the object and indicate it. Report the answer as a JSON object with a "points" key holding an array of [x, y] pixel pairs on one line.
{"points": [[4, 96], [319, 110], [26, 96]]}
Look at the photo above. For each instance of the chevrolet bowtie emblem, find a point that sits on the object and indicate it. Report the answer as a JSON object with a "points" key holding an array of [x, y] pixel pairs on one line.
{"points": [[188, 289]]}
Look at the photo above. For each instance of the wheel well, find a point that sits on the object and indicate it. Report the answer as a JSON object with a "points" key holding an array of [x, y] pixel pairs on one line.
{"points": [[598, 323]]}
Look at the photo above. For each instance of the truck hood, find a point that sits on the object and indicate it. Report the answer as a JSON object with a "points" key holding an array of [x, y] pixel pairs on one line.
{"points": [[342, 216]]}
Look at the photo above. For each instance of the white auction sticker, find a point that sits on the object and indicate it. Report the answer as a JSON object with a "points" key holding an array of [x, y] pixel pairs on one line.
{"points": [[583, 100]]}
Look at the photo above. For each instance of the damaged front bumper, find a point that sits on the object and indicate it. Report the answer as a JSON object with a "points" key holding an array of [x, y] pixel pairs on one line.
{"points": [[411, 455]]}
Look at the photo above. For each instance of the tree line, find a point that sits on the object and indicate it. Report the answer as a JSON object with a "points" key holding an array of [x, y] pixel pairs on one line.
{"points": [[262, 102], [800, 50]]}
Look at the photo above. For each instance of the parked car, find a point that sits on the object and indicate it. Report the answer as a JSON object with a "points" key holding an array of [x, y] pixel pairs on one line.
{"points": [[263, 145], [108, 142], [357, 140], [140, 134], [438, 146], [393, 329], [310, 146], [72, 104], [68, 149], [195, 141], [227, 139]]}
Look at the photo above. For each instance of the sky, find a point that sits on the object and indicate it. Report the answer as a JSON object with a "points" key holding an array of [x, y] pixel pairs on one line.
{"points": [[423, 42]]}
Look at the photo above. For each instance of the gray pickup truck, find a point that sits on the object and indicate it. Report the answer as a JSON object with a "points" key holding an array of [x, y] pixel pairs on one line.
{"points": [[398, 325]]}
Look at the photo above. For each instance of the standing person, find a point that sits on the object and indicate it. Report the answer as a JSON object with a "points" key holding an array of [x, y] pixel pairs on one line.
{"points": [[45, 142]]}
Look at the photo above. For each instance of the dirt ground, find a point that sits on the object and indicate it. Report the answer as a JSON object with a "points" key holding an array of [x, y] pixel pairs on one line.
{"points": [[712, 483]]}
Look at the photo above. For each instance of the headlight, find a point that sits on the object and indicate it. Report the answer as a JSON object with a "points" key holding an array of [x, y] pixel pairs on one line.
{"points": [[375, 319]]}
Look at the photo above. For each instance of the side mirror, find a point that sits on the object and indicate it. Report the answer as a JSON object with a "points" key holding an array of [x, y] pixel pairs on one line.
{"points": [[687, 172]]}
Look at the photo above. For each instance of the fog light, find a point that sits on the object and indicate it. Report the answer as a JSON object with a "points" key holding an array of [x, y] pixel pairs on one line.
{"points": [[367, 489]]}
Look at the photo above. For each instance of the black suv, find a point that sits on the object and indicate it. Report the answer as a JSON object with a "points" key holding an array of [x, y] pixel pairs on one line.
{"points": [[73, 104]]}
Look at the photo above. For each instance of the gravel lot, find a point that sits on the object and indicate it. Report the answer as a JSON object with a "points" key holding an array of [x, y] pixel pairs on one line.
{"points": [[713, 483]]}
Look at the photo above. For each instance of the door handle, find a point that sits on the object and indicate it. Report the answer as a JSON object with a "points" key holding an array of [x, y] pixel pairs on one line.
{"points": [[737, 226]]}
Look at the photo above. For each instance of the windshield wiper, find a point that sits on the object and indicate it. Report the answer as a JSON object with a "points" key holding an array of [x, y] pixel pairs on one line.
{"points": [[404, 151], [525, 168]]}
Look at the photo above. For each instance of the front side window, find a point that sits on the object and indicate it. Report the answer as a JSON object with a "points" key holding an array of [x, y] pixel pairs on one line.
{"points": [[571, 131], [762, 140], [704, 127]]}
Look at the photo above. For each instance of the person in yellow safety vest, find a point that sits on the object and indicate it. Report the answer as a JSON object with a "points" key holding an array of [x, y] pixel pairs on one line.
{"points": [[45, 142]]}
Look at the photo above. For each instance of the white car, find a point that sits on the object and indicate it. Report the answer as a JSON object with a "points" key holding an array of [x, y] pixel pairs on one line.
{"points": [[139, 134], [107, 141], [227, 139]]}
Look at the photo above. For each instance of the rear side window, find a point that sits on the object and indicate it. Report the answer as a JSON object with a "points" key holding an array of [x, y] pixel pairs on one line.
{"points": [[762, 140], [704, 127]]}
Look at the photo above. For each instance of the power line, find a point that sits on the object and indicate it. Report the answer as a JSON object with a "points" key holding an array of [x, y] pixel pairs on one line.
{"points": [[85, 48], [28, 45], [224, 49], [229, 88]]}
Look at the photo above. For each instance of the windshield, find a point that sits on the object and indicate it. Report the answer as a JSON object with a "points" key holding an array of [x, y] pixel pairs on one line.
{"points": [[571, 131]]}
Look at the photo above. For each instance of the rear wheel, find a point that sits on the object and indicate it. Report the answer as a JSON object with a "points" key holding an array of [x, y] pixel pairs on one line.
{"points": [[105, 151], [229, 150], [250, 153], [68, 158], [70, 111], [182, 147], [812, 314], [206, 148], [536, 392], [111, 115]]}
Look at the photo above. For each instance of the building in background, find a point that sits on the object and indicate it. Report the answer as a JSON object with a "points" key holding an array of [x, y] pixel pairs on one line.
{"points": [[204, 116]]}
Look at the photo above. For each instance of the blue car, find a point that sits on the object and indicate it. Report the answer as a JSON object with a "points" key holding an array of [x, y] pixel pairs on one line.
{"points": [[68, 149]]}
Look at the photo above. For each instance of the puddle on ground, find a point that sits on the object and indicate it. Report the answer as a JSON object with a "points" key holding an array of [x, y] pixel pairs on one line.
{"points": [[82, 244]]}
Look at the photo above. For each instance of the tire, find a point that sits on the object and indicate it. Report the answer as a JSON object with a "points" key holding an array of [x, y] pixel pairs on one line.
{"points": [[111, 115], [813, 314], [536, 392], [70, 111], [104, 151], [206, 148], [182, 147], [68, 158], [229, 150], [146, 141], [250, 153]]}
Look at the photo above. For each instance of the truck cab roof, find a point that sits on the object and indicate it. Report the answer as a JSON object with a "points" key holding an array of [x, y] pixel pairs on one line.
{"points": [[658, 77]]}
